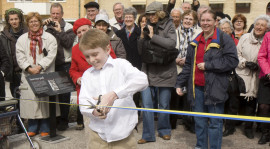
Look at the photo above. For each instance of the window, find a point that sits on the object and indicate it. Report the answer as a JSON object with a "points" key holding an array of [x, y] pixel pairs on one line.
{"points": [[19, 0], [242, 7], [217, 7], [140, 8]]}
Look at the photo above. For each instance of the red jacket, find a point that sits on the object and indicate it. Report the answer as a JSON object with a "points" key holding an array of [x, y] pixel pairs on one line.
{"points": [[79, 65], [264, 56]]}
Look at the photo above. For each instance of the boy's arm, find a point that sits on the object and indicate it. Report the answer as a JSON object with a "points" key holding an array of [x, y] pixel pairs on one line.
{"points": [[135, 81], [84, 97]]}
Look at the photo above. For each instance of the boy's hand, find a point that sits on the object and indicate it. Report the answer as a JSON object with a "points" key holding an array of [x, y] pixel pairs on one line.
{"points": [[100, 114], [107, 100]]}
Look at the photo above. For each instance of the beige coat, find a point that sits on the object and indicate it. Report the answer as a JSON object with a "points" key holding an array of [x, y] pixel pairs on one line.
{"points": [[32, 109], [247, 49], [196, 32]]}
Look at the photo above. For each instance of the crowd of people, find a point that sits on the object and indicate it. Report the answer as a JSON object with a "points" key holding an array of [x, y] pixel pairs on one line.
{"points": [[107, 61]]}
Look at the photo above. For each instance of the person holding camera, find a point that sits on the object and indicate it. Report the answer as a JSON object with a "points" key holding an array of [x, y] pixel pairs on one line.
{"points": [[160, 34], [63, 32]]}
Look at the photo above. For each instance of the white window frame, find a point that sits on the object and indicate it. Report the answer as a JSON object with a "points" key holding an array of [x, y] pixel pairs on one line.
{"points": [[58, 1], [16, 1]]}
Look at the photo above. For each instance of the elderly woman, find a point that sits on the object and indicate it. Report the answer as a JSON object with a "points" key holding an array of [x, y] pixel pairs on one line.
{"points": [[206, 72], [160, 34], [264, 86], [248, 48], [35, 52], [239, 22], [102, 23], [226, 26], [129, 35]]}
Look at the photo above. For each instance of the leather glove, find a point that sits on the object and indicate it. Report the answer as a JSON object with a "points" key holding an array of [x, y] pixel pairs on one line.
{"points": [[252, 66]]}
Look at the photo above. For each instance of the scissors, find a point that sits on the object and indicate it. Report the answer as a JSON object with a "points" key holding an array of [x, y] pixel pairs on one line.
{"points": [[95, 106]]}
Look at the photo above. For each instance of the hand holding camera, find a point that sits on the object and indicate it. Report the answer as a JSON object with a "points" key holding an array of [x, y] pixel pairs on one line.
{"points": [[148, 30], [252, 66], [51, 23]]}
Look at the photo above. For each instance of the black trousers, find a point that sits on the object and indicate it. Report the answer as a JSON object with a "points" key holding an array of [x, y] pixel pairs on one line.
{"points": [[234, 104], [64, 98], [2, 88]]}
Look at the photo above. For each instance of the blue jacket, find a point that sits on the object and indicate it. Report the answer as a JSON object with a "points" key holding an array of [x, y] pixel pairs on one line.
{"points": [[219, 62]]}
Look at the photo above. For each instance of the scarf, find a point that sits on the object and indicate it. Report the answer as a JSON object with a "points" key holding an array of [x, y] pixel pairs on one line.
{"points": [[35, 38], [186, 34], [16, 34]]}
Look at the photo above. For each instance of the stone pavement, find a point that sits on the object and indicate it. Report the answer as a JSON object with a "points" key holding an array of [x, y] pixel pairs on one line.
{"points": [[181, 139]]}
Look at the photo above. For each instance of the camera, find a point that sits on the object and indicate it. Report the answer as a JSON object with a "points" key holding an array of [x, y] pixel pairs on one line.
{"points": [[51, 23], [146, 30]]}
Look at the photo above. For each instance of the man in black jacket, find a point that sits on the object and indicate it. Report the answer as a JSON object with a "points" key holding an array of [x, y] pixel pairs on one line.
{"points": [[65, 37]]}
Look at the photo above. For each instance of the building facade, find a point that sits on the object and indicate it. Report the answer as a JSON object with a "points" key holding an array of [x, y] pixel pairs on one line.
{"points": [[73, 9]]}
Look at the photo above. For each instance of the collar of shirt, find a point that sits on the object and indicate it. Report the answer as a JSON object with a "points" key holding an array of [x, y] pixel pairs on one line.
{"points": [[129, 33], [108, 62]]}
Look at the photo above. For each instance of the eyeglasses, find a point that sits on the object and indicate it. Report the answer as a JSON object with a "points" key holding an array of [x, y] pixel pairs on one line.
{"points": [[206, 21], [33, 22], [225, 28], [129, 17], [188, 19], [238, 21]]}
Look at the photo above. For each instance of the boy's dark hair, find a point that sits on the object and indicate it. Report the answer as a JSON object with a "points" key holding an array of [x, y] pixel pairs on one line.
{"points": [[94, 38]]}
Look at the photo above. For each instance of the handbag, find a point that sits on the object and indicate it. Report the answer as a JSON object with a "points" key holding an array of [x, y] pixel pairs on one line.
{"points": [[236, 84], [155, 54]]}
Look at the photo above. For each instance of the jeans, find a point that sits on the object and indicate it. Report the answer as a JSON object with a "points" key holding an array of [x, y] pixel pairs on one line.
{"points": [[163, 95], [203, 129], [42, 124], [64, 98]]}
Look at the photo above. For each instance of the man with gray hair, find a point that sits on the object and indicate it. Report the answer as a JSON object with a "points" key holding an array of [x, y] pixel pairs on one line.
{"points": [[117, 21], [176, 16], [186, 6], [65, 36]]}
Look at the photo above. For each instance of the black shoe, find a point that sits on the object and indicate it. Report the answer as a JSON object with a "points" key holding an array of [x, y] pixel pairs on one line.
{"points": [[62, 127], [228, 132], [264, 138], [249, 134]]}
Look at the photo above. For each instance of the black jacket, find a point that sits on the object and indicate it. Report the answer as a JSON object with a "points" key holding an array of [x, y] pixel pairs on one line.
{"points": [[218, 65], [8, 43], [131, 46]]}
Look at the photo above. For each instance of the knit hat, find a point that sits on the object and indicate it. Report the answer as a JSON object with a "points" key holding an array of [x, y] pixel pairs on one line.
{"points": [[154, 7], [80, 22], [102, 17], [91, 5]]}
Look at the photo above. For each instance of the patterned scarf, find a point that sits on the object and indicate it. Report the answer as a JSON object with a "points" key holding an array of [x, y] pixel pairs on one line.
{"points": [[186, 37], [35, 38]]}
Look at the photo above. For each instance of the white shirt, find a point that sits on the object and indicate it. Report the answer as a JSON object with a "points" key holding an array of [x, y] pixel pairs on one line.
{"points": [[116, 75], [113, 22]]}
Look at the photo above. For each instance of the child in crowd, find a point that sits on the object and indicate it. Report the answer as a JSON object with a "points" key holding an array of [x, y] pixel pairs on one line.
{"points": [[112, 82]]}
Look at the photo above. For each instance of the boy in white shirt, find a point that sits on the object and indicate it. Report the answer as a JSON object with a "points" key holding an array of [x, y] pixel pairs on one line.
{"points": [[115, 81]]}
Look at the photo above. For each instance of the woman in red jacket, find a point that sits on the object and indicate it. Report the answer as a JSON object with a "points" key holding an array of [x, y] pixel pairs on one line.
{"points": [[79, 64]]}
